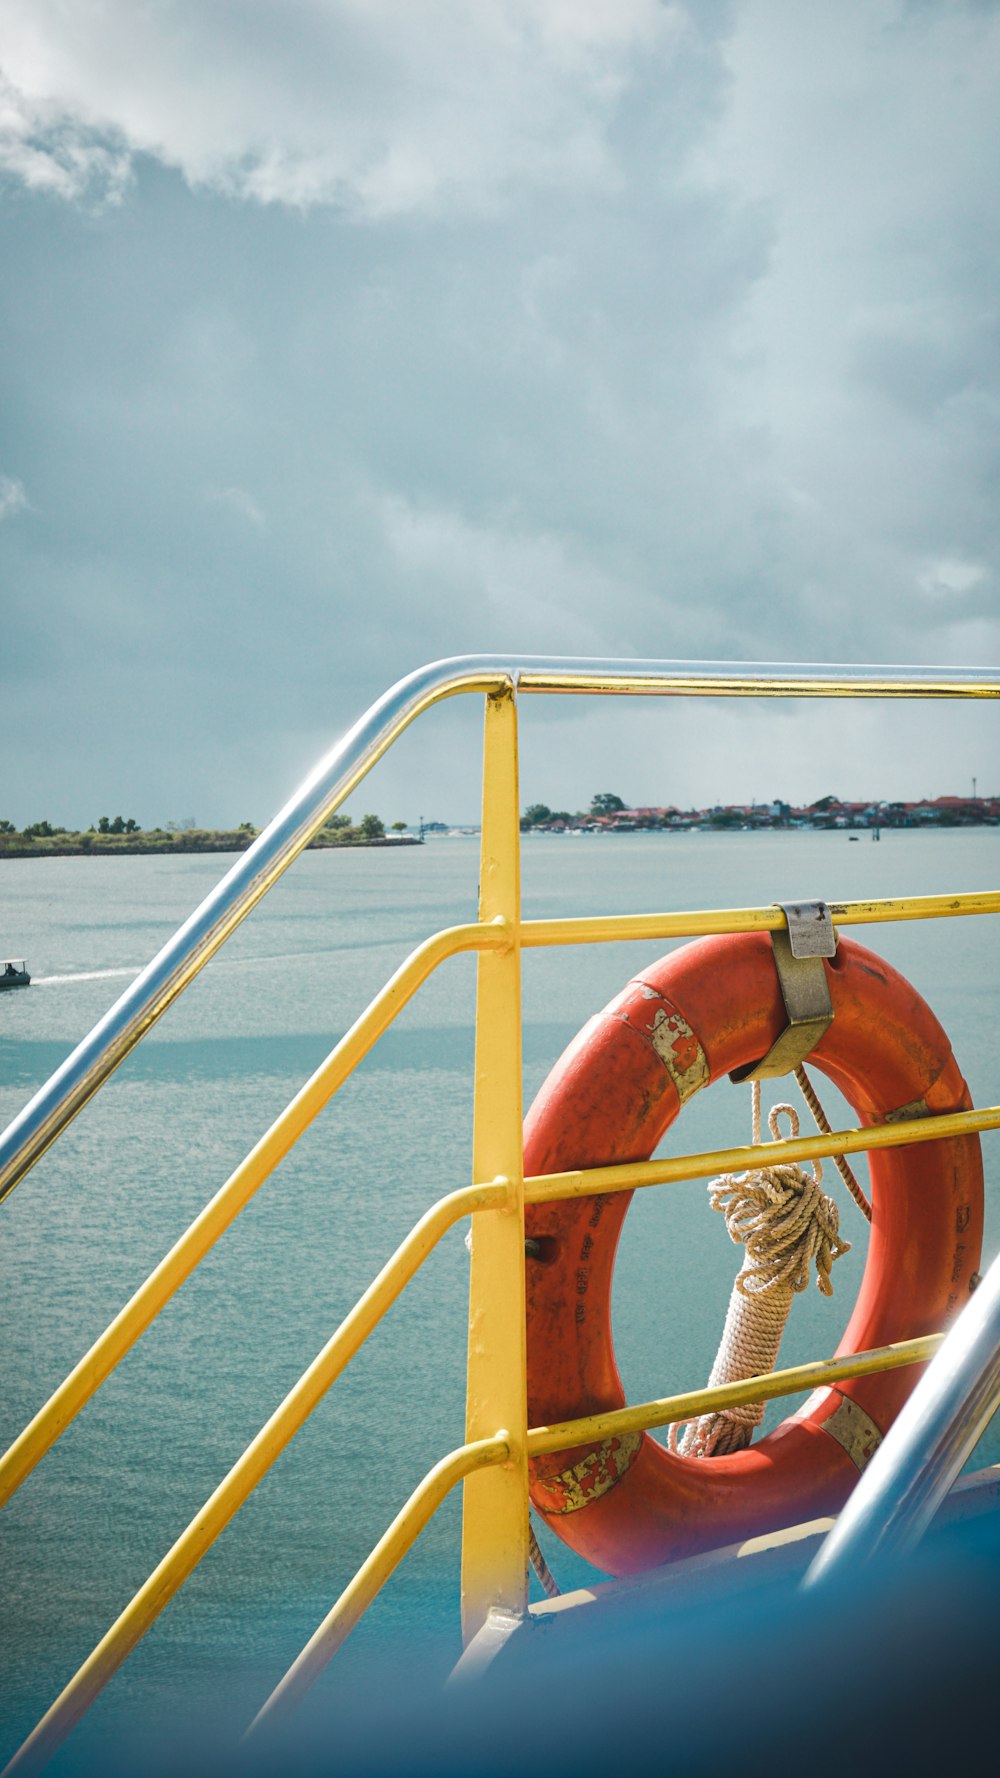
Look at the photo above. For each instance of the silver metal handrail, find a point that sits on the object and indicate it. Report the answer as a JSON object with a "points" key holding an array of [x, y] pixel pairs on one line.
{"points": [[340, 771], [925, 1449]]}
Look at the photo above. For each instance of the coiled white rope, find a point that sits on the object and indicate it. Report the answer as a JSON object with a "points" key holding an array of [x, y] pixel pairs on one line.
{"points": [[786, 1223]]}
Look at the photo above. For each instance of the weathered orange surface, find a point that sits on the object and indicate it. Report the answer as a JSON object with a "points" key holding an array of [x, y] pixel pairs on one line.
{"points": [[706, 1009]]}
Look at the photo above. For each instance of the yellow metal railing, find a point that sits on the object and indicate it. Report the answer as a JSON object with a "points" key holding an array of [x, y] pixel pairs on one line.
{"points": [[406, 1527], [493, 1461], [606, 927], [544, 1187], [152, 1296]]}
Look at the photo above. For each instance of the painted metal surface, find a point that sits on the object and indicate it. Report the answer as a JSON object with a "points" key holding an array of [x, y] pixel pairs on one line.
{"points": [[468, 1460], [342, 769], [585, 1182], [591, 929], [495, 1500], [166, 1279], [493, 1461], [249, 1469], [673, 1409]]}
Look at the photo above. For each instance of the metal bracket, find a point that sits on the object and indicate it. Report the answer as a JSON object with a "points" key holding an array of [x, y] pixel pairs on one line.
{"points": [[799, 950]]}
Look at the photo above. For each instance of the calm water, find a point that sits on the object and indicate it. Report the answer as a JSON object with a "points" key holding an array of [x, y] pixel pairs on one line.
{"points": [[100, 1209]]}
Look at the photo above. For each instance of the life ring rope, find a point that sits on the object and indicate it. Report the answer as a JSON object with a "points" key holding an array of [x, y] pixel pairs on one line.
{"points": [[786, 1223], [705, 1010], [840, 1161]]}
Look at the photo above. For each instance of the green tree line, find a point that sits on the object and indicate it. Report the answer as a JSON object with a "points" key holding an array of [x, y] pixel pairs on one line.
{"points": [[120, 834], [539, 814]]}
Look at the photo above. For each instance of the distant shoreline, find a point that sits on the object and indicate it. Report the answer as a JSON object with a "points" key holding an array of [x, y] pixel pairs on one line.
{"points": [[189, 845], [171, 846]]}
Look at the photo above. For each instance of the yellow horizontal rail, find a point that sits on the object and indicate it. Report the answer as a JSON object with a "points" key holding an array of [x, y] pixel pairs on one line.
{"points": [[163, 1282], [605, 928], [198, 1537], [373, 1574], [121, 1334], [675, 1409], [546, 1188], [427, 1497]]}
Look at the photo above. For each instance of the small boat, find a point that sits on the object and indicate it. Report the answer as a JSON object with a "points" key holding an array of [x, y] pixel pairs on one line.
{"points": [[13, 973], [692, 1536]]}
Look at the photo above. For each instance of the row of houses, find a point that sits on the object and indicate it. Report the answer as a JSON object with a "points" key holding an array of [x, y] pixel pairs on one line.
{"points": [[829, 812]]}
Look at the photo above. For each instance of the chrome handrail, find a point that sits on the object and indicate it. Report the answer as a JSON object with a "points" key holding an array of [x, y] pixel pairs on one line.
{"points": [[340, 771], [496, 937]]}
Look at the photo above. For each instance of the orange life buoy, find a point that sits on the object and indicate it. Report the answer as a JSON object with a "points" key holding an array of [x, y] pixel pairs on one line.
{"points": [[704, 1010]]}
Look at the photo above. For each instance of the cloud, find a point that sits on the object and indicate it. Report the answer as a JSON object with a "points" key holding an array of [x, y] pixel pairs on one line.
{"points": [[949, 577], [869, 356], [46, 149], [382, 108], [536, 588], [239, 501], [570, 327], [13, 498]]}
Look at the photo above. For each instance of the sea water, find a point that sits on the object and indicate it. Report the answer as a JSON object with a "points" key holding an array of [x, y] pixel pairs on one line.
{"points": [[101, 1208]]}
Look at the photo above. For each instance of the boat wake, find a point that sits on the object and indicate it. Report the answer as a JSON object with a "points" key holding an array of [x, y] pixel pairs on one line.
{"points": [[83, 975], [218, 963]]}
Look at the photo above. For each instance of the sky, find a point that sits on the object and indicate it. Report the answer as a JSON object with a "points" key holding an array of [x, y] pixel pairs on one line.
{"points": [[338, 336]]}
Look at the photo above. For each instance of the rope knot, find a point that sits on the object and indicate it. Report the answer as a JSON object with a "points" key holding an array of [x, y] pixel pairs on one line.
{"points": [[786, 1223], [782, 1217]]}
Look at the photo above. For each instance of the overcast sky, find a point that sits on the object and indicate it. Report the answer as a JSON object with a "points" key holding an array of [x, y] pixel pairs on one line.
{"points": [[342, 335]]}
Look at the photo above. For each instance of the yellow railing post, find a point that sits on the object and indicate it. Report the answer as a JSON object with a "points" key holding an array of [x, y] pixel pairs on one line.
{"points": [[495, 1520]]}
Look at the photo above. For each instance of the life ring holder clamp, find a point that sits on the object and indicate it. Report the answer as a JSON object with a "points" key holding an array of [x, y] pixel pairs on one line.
{"points": [[807, 937], [636, 1506]]}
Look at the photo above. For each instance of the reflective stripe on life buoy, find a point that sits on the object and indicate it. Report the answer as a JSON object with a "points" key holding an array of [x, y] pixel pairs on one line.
{"points": [[706, 1009]]}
